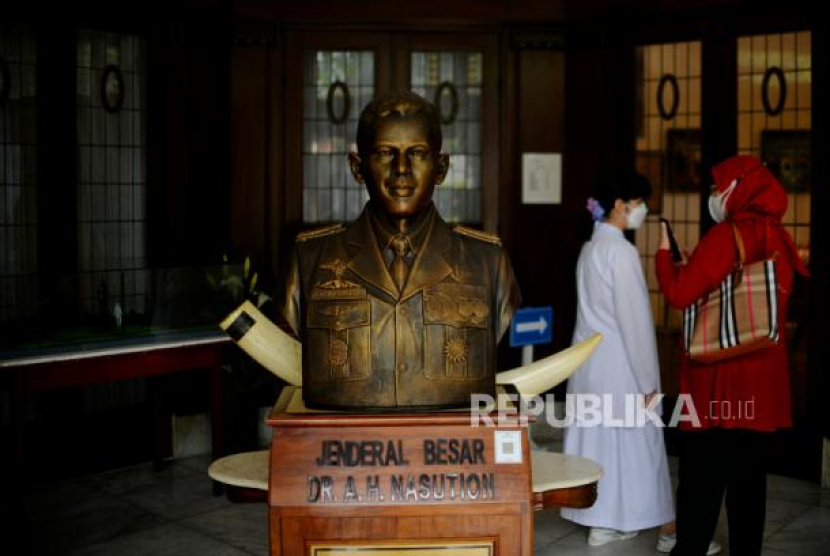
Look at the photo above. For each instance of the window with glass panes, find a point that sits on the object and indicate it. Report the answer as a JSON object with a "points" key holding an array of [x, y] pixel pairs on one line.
{"points": [[337, 85], [111, 174], [774, 117], [453, 81], [18, 172], [668, 115]]}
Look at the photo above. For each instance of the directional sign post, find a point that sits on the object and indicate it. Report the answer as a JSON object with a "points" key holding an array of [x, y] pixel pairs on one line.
{"points": [[531, 326]]}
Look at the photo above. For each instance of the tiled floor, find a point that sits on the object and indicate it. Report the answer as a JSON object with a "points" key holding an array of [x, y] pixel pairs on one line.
{"points": [[137, 511]]}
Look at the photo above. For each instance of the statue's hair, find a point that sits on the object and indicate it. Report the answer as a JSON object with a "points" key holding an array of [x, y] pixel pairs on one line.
{"points": [[402, 104]]}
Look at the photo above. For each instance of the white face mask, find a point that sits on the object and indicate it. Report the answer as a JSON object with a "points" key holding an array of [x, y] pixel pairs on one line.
{"points": [[636, 216], [717, 202]]}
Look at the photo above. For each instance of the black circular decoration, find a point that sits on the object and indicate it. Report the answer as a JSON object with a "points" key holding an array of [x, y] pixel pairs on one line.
{"points": [[5, 82], [112, 89], [671, 80], [347, 102], [439, 92], [782, 83]]}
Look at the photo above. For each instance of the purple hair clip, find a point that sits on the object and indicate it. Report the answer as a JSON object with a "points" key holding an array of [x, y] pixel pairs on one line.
{"points": [[596, 210]]}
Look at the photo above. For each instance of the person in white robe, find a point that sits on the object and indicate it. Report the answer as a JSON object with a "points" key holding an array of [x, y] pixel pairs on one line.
{"points": [[635, 491]]}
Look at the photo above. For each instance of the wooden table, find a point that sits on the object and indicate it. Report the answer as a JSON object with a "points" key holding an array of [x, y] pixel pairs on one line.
{"points": [[563, 481], [95, 363]]}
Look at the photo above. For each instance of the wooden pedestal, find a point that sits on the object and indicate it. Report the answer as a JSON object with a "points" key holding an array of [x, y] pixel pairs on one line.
{"points": [[409, 485]]}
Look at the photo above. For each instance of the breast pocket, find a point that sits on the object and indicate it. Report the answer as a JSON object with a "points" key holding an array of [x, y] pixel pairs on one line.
{"points": [[457, 328], [338, 334]]}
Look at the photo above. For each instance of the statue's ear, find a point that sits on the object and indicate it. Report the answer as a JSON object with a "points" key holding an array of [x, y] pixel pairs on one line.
{"points": [[354, 165], [443, 168]]}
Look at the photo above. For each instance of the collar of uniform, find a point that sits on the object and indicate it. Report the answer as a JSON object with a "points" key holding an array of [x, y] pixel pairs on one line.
{"points": [[416, 235], [428, 267]]}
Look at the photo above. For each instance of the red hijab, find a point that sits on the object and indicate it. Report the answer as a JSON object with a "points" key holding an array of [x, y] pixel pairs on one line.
{"points": [[757, 194]]}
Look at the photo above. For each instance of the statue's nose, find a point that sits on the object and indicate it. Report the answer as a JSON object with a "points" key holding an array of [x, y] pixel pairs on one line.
{"points": [[401, 164]]}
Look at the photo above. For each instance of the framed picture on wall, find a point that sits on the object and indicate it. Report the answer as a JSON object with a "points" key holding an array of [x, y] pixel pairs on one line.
{"points": [[787, 155], [683, 168], [650, 165]]}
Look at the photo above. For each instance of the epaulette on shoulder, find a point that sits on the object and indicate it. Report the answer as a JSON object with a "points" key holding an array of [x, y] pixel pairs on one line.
{"points": [[320, 232], [478, 234]]}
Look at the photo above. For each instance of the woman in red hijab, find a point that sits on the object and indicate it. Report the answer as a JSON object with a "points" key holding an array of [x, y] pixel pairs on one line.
{"points": [[737, 401]]}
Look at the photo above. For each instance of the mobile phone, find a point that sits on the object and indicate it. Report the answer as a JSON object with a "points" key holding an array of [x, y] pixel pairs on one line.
{"points": [[676, 255]]}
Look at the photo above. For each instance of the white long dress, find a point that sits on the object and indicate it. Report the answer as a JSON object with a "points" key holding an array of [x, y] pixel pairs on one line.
{"points": [[635, 490]]}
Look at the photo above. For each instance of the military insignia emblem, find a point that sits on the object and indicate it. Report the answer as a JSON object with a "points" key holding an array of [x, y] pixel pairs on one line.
{"points": [[472, 310], [338, 353], [456, 354], [457, 304], [337, 267], [455, 350], [338, 287], [334, 310]]}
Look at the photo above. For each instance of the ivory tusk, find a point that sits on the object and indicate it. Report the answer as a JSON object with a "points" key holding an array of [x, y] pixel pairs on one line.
{"points": [[542, 375], [263, 340]]}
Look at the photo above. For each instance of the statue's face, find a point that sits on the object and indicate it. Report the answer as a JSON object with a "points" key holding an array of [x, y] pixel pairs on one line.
{"points": [[402, 169]]}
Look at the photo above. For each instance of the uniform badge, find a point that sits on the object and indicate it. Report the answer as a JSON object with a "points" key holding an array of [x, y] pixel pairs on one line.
{"points": [[338, 315], [338, 352], [472, 310], [455, 350], [338, 287], [337, 267], [459, 305]]}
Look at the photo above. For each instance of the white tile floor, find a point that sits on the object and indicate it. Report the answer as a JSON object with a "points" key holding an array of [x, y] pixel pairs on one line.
{"points": [[173, 512]]}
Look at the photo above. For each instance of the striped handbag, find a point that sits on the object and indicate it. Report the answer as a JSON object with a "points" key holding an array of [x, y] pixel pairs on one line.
{"points": [[738, 317]]}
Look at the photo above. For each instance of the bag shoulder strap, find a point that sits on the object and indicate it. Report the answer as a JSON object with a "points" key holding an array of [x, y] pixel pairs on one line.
{"points": [[739, 241]]}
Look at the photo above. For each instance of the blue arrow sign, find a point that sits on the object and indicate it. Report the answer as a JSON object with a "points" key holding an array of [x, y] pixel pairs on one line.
{"points": [[531, 325]]}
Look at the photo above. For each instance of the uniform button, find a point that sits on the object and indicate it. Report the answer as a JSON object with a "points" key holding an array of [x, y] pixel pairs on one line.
{"points": [[401, 367], [404, 310]]}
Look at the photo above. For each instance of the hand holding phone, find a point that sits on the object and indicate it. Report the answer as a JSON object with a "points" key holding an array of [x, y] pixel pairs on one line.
{"points": [[676, 255]]}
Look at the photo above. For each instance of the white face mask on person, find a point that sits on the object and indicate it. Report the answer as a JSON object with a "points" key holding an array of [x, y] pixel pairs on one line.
{"points": [[717, 203], [636, 216]]}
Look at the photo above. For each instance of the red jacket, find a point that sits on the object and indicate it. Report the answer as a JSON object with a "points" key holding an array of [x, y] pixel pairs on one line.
{"points": [[751, 391]]}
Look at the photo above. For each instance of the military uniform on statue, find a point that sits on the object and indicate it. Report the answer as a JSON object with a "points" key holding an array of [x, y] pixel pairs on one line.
{"points": [[398, 310], [439, 319]]}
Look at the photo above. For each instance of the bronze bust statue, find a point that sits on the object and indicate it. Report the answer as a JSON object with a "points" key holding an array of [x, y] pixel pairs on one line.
{"points": [[398, 310]]}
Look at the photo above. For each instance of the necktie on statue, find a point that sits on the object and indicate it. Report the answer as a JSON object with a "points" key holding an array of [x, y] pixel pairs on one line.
{"points": [[399, 268]]}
